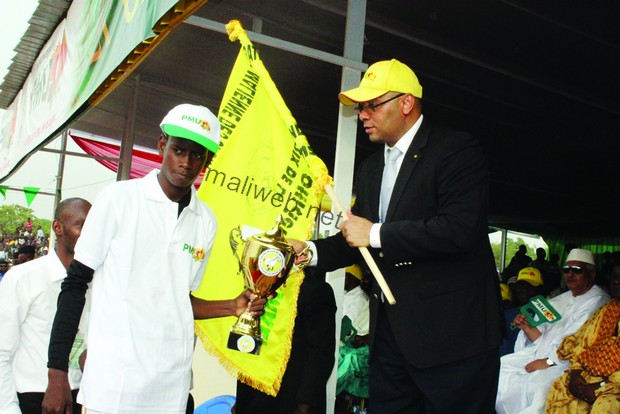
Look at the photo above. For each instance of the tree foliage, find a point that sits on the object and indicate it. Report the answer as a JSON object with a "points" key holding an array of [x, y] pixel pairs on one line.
{"points": [[512, 245], [13, 217]]}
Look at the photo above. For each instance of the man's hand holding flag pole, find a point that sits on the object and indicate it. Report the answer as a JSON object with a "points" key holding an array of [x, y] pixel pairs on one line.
{"points": [[301, 247], [370, 262]]}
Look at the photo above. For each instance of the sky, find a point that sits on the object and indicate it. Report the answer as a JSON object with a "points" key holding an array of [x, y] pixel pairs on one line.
{"points": [[13, 27], [41, 169]]}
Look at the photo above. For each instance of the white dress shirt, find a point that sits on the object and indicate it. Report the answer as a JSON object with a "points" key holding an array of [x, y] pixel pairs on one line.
{"points": [[28, 297], [403, 145]]}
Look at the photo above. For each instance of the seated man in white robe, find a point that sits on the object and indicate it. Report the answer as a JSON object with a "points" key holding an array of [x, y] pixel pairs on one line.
{"points": [[527, 374]]}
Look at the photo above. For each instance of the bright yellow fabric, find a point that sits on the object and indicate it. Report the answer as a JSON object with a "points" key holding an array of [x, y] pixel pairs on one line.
{"points": [[264, 168], [560, 400]]}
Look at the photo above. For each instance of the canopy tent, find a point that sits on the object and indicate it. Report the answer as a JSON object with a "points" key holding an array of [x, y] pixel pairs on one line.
{"points": [[534, 82]]}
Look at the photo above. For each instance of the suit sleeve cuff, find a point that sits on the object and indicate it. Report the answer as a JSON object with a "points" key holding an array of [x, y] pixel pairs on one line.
{"points": [[315, 256]]}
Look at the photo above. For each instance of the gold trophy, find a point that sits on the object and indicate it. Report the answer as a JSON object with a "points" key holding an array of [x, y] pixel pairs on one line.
{"points": [[266, 261]]}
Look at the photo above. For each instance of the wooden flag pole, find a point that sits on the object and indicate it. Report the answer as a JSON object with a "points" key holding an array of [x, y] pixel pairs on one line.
{"points": [[370, 261]]}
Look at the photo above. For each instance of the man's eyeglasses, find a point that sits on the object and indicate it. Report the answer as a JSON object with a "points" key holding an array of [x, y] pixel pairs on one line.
{"points": [[575, 269], [360, 107]]}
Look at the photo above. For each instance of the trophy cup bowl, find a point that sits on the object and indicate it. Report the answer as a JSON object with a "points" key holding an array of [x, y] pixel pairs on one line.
{"points": [[266, 261]]}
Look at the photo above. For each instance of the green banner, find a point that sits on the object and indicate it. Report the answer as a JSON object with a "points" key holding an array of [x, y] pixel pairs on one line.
{"points": [[85, 48], [30, 193]]}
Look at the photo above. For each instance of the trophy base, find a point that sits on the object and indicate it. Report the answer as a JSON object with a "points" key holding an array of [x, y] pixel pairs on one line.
{"points": [[244, 343]]}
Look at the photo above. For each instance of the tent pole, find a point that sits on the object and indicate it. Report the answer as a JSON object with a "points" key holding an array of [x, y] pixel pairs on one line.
{"points": [[124, 165], [502, 260], [61, 169], [344, 161]]}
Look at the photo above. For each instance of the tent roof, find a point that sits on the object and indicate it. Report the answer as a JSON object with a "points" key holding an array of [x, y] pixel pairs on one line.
{"points": [[535, 82], [42, 24]]}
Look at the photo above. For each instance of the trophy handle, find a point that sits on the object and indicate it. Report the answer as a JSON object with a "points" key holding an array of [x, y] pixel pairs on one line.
{"points": [[307, 260], [235, 235]]}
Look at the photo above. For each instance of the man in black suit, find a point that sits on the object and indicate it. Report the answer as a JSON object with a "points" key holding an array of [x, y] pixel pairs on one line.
{"points": [[436, 349]]}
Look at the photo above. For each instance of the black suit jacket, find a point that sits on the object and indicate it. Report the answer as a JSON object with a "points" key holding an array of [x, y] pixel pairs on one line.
{"points": [[435, 253]]}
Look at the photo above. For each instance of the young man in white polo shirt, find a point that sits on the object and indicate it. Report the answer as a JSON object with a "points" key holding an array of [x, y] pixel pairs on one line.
{"points": [[145, 246]]}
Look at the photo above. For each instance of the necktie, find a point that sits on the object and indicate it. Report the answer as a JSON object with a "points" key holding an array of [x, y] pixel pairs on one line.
{"points": [[390, 171]]}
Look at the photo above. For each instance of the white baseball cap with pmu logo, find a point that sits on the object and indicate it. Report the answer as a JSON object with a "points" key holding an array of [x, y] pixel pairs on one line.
{"points": [[193, 122]]}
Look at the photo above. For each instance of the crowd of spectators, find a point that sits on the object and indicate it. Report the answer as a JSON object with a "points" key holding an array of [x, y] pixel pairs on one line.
{"points": [[556, 368], [25, 244]]}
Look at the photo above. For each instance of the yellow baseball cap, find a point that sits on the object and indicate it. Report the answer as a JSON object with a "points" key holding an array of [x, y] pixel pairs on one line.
{"points": [[380, 78], [355, 270], [531, 275], [506, 293]]}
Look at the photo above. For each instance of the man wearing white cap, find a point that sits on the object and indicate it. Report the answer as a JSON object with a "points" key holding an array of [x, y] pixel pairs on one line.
{"points": [[144, 246], [421, 209], [527, 374]]}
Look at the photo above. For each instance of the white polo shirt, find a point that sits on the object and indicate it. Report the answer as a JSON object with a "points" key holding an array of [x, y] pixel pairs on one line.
{"points": [[28, 297], [146, 262]]}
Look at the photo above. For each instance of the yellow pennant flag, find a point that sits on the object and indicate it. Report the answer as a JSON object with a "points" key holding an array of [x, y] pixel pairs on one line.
{"points": [[264, 169]]}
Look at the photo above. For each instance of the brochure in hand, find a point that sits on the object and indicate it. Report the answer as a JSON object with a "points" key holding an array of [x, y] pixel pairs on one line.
{"points": [[538, 310]]}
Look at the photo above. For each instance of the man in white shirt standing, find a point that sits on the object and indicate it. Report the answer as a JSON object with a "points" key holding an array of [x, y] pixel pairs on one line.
{"points": [[28, 296], [355, 303], [145, 247], [352, 382], [526, 375]]}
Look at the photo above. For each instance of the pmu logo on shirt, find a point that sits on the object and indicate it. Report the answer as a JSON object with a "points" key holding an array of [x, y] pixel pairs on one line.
{"points": [[198, 254]]}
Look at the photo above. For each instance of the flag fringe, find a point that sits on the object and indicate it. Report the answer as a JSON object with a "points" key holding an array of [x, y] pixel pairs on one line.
{"points": [[235, 370]]}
